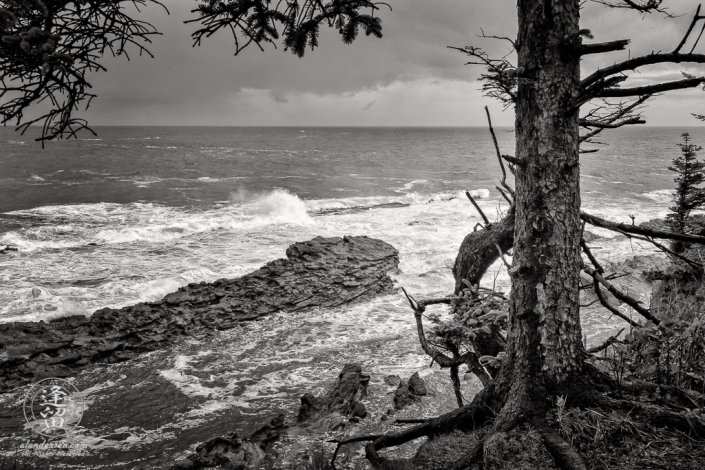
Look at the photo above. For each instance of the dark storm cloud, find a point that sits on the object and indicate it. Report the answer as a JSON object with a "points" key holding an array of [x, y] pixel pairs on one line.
{"points": [[410, 68]]}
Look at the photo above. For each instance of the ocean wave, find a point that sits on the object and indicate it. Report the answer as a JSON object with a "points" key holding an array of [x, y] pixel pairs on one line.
{"points": [[409, 199], [107, 223]]}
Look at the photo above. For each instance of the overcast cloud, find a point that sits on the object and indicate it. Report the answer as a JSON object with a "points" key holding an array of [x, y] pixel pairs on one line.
{"points": [[407, 78]]}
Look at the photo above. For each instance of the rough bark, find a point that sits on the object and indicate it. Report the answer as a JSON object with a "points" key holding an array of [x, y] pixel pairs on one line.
{"points": [[479, 250], [544, 348]]}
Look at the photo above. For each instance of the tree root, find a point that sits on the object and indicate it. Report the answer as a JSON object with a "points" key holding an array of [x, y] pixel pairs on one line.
{"points": [[565, 455], [467, 418], [490, 406], [657, 415]]}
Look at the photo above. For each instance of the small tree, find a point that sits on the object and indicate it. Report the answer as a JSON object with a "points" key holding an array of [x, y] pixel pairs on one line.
{"points": [[688, 196]]}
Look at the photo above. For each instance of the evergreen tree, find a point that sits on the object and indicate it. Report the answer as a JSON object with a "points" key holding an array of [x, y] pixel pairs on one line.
{"points": [[688, 195]]}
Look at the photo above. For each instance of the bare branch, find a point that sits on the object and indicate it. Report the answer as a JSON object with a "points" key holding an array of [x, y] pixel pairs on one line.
{"points": [[602, 47], [696, 18], [647, 232], [651, 89], [611, 340], [635, 63], [632, 302], [482, 214], [499, 154]]}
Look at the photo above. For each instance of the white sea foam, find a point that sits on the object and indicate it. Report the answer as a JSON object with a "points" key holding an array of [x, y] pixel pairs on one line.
{"points": [[147, 250], [663, 196], [115, 223], [412, 198]]}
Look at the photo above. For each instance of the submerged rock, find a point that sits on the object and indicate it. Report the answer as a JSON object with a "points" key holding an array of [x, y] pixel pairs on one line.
{"points": [[323, 272]]}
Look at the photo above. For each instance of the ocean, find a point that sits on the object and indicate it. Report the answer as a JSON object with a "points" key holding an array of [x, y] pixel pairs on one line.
{"points": [[136, 212]]}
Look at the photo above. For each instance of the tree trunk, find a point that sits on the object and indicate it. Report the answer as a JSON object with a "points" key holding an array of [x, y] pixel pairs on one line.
{"points": [[544, 337], [479, 250]]}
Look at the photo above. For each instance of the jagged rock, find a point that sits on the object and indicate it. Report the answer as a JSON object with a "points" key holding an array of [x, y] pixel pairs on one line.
{"points": [[402, 396], [316, 415], [323, 272], [341, 400], [417, 386], [233, 452], [359, 410]]}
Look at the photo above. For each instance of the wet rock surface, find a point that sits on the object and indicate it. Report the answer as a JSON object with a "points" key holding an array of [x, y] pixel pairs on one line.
{"points": [[323, 272], [316, 415], [327, 412], [234, 452], [417, 386]]}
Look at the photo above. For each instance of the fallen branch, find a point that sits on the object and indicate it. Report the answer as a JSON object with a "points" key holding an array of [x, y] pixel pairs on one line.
{"points": [[632, 302]]}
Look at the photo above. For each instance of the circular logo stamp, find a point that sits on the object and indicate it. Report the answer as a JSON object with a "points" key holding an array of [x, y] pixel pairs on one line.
{"points": [[53, 407]]}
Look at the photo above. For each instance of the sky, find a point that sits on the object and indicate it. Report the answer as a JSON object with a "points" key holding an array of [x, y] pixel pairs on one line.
{"points": [[407, 78]]}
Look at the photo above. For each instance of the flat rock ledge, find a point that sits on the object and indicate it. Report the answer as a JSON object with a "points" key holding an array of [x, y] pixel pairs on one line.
{"points": [[323, 272]]}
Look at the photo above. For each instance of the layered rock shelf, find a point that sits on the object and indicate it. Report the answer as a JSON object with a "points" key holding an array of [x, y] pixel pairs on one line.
{"points": [[323, 272]]}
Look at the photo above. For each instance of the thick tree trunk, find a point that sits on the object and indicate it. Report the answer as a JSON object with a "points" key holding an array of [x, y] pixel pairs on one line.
{"points": [[544, 337], [480, 249]]}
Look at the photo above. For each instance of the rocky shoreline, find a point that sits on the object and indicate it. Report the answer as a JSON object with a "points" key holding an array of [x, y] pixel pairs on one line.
{"points": [[323, 272]]}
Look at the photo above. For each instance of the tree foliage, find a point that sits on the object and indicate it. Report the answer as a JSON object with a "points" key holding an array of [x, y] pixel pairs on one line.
{"points": [[688, 196], [47, 50]]}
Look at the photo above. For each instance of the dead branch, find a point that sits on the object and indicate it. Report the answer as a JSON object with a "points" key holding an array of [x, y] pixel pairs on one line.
{"points": [[598, 290], [696, 18], [605, 303], [632, 302], [642, 6], [514, 160], [611, 115], [599, 48], [651, 89], [611, 340], [611, 125], [499, 154], [663, 248], [636, 62], [469, 357], [482, 214], [635, 229]]}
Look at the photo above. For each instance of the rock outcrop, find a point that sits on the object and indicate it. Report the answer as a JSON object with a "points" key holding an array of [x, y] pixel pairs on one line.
{"points": [[316, 414], [323, 272], [234, 452], [328, 412], [409, 391]]}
